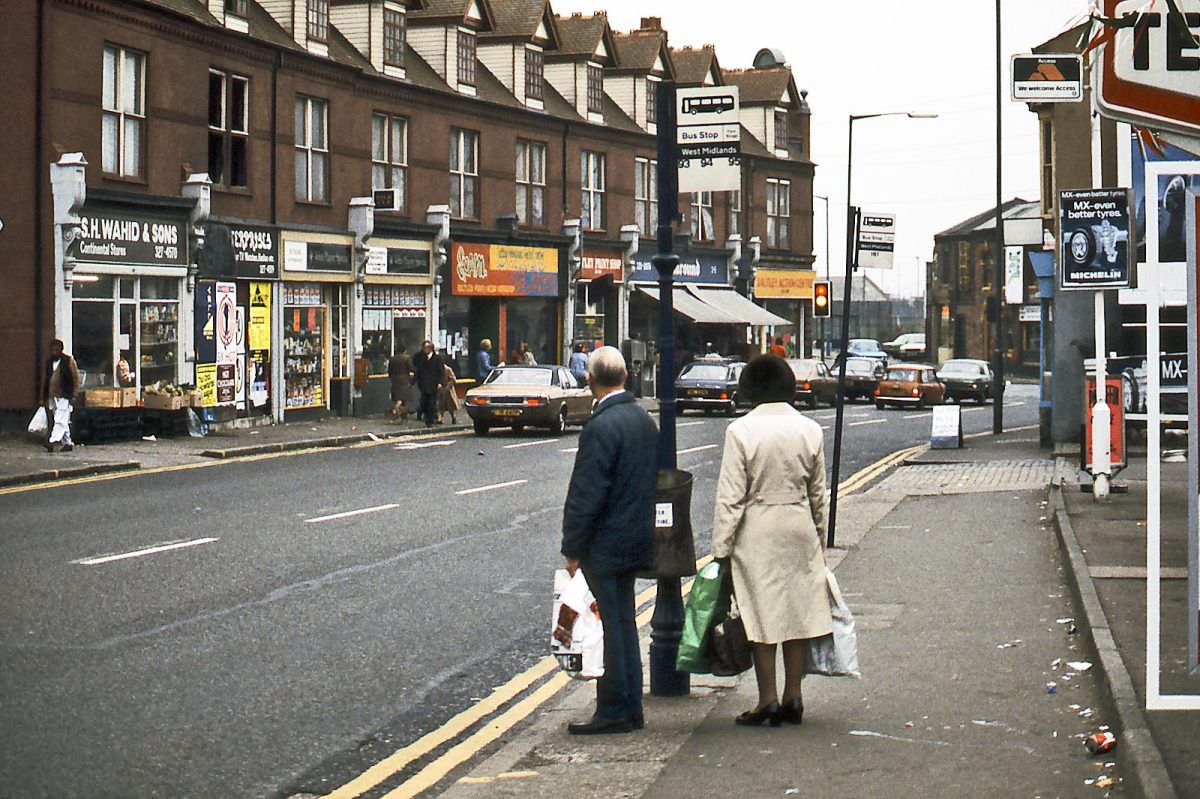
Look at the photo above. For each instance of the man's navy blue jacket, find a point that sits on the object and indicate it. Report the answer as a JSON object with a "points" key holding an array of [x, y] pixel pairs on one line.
{"points": [[608, 520]]}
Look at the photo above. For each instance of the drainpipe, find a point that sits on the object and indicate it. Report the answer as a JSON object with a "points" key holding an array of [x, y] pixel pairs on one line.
{"points": [[633, 239], [361, 223], [438, 215], [571, 228], [39, 202], [68, 185]]}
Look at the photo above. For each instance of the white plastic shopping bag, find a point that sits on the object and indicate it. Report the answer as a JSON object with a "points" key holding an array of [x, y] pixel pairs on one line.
{"points": [[836, 654], [576, 632], [39, 424]]}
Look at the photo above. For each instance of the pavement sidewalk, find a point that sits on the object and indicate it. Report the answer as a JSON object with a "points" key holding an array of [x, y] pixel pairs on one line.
{"points": [[964, 611]]}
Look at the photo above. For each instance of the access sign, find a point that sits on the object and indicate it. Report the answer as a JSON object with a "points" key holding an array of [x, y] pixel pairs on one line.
{"points": [[1047, 78], [1150, 69], [876, 240], [709, 138]]}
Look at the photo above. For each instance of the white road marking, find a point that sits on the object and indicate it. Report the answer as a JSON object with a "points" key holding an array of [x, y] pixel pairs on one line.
{"points": [[570, 451], [687, 424], [350, 513], [1013, 404], [138, 553], [918, 415], [530, 443], [867, 421], [826, 416], [696, 449], [826, 427], [976, 408], [510, 483], [423, 444]]}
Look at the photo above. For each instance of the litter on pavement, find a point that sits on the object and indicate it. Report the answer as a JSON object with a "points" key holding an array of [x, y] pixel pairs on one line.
{"points": [[1009, 644], [1080, 665]]}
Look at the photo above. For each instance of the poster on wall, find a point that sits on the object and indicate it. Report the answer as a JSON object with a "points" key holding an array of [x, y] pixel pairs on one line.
{"points": [[1171, 198], [206, 383], [206, 322], [259, 332], [1193, 272], [1095, 251], [226, 322]]}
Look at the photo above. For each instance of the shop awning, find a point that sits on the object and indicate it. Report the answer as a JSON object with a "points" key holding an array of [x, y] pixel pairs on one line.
{"points": [[693, 308], [730, 303]]}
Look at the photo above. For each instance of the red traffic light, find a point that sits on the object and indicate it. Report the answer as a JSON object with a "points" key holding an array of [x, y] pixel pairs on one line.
{"points": [[821, 298]]}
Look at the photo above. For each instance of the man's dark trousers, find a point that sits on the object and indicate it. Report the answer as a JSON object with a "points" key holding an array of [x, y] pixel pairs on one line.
{"points": [[428, 409], [619, 691]]}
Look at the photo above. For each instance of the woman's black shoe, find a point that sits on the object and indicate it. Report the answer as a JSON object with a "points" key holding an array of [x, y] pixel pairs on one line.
{"points": [[793, 711], [754, 718]]}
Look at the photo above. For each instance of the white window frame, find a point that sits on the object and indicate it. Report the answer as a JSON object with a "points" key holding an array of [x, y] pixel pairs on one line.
{"points": [[595, 88], [779, 212], [126, 105], [308, 152], [389, 163], [531, 182], [535, 56], [394, 62], [735, 212], [703, 228], [468, 70], [317, 20], [645, 199], [464, 172], [592, 180]]}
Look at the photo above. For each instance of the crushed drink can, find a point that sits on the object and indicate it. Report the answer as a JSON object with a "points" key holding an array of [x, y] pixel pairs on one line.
{"points": [[1100, 743], [1051, 687]]}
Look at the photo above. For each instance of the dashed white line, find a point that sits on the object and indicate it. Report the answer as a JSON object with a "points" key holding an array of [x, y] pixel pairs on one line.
{"points": [[825, 416], [867, 421], [918, 415], [570, 451], [687, 424], [1013, 404], [530, 443], [481, 489], [350, 513], [138, 553], [423, 444], [696, 449]]}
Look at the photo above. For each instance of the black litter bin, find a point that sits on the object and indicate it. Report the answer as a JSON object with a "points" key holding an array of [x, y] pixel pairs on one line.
{"points": [[674, 544]]}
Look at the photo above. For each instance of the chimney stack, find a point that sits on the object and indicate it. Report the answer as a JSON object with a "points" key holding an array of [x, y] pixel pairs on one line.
{"points": [[652, 23]]}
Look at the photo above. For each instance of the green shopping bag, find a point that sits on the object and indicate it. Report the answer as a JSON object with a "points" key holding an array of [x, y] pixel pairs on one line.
{"points": [[707, 606]]}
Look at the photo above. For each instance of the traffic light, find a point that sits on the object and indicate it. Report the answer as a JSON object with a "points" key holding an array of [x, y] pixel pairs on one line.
{"points": [[821, 299]]}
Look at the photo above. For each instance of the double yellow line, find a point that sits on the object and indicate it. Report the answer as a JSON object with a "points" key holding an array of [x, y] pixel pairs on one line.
{"points": [[438, 769]]}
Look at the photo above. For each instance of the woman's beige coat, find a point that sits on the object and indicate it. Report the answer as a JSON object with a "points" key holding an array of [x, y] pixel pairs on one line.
{"points": [[770, 520]]}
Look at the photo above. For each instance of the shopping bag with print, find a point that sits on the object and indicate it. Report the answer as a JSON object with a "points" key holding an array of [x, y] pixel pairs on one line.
{"points": [[576, 631], [836, 654]]}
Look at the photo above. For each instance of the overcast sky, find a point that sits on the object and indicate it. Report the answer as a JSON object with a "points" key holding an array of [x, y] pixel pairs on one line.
{"points": [[932, 56]]}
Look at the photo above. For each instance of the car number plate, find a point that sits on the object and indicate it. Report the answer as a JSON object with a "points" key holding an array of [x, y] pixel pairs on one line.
{"points": [[697, 392], [507, 412]]}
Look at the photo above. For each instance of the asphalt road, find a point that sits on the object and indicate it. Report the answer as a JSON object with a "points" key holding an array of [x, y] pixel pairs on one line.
{"points": [[275, 650]]}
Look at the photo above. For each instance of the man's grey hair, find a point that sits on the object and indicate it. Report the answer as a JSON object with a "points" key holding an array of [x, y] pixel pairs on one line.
{"points": [[606, 366]]}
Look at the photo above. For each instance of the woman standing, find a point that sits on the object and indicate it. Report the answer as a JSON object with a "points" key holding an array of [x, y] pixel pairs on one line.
{"points": [[447, 396], [770, 527], [400, 372]]}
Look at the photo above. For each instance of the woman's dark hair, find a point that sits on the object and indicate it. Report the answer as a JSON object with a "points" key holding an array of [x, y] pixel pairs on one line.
{"points": [[767, 378]]}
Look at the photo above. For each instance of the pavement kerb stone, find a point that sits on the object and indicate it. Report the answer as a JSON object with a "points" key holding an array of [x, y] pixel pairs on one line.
{"points": [[47, 475], [1136, 740], [315, 443]]}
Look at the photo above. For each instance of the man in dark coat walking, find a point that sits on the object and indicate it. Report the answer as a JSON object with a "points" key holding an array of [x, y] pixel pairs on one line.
{"points": [[608, 531], [60, 383], [431, 373]]}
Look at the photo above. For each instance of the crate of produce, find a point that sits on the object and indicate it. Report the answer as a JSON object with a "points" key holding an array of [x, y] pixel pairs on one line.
{"points": [[102, 398], [161, 402], [129, 397]]}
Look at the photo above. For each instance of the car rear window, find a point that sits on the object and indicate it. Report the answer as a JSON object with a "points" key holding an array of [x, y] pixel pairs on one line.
{"points": [[903, 375], [705, 371], [804, 370], [518, 377], [963, 369], [861, 365]]}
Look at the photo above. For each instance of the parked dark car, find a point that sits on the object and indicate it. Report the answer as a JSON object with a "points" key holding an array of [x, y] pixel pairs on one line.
{"points": [[814, 383], [709, 386], [862, 377], [966, 378], [906, 346], [866, 348], [910, 384]]}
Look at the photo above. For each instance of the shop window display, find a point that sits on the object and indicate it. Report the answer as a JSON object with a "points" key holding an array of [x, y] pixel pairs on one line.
{"points": [[304, 347], [125, 329]]}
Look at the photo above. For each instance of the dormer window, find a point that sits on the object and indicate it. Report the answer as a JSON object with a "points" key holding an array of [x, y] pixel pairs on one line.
{"points": [[237, 7], [651, 102], [393, 38], [318, 20], [466, 58], [781, 130], [535, 68], [595, 89]]}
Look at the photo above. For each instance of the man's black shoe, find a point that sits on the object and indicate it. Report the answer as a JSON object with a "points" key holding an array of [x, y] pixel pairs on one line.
{"points": [[638, 721], [599, 726]]}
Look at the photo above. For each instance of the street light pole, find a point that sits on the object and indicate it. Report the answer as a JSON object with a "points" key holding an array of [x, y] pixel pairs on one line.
{"points": [[851, 225], [998, 254]]}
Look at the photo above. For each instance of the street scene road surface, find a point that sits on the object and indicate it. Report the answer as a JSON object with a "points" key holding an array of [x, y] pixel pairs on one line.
{"points": [[281, 626]]}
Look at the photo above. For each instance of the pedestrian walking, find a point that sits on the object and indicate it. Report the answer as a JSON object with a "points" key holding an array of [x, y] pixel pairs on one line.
{"points": [[777, 349], [400, 372], [578, 364], [522, 356], [430, 375], [769, 525], [60, 382], [608, 531], [483, 360], [447, 395]]}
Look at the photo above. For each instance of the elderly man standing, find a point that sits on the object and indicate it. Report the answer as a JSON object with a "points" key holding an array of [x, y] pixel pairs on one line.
{"points": [[608, 531], [60, 382]]}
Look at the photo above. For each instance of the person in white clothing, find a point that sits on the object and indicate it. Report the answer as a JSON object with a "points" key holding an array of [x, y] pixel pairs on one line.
{"points": [[60, 382]]}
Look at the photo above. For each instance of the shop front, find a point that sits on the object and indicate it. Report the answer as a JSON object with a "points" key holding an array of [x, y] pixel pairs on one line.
{"points": [[318, 284], [509, 294], [788, 293], [599, 296], [397, 296], [126, 311], [239, 271]]}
